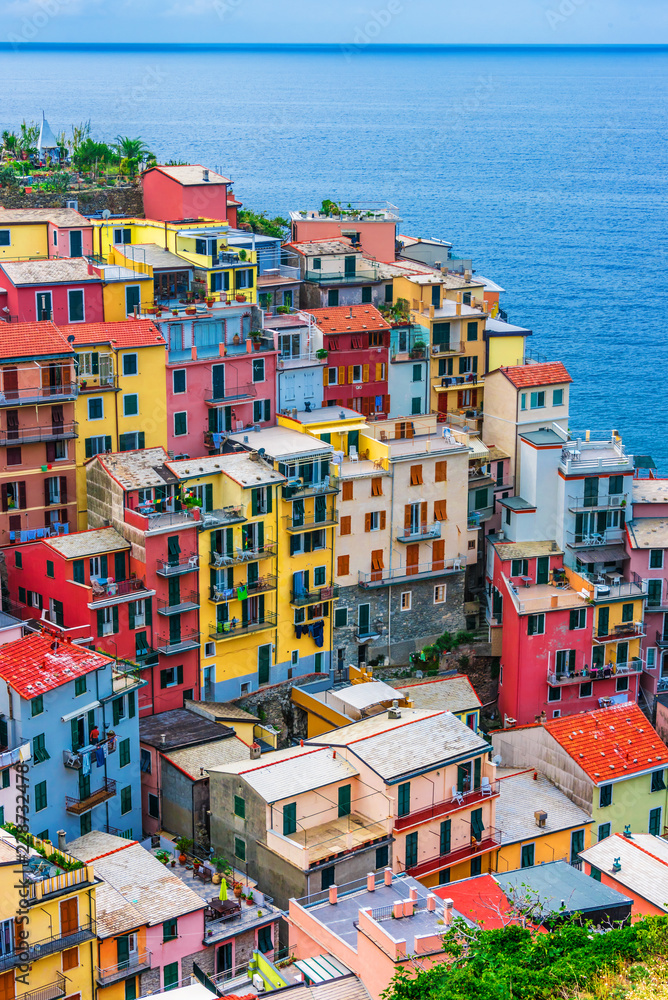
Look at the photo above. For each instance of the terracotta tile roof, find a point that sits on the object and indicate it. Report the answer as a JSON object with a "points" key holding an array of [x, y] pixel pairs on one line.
{"points": [[46, 272], [189, 174], [126, 333], [64, 217], [610, 742], [32, 665], [342, 319], [543, 373], [32, 340]]}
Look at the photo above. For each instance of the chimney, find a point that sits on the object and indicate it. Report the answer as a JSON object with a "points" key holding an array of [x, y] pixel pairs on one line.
{"points": [[431, 902], [350, 313], [205, 174], [163, 737], [333, 895], [408, 907], [371, 882], [393, 712], [388, 876], [255, 751], [62, 840], [447, 911], [412, 894], [398, 909], [541, 817], [554, 601]]}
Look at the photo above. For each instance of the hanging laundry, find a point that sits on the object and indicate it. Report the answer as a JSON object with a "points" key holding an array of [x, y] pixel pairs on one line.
{"points": [[86, 761], [242, 592], [99, 756]]}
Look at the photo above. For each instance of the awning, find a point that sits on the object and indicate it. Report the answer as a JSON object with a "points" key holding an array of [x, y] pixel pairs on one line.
{"points": [[321, 969], [337, 427], [477, 448], [80, 711], [601, 553]]}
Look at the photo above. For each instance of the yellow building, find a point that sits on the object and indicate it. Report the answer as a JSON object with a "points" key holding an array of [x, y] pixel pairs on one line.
{"points": [[618, 623], [538, 823], [34, 233], [122, 401], [49, 922]]}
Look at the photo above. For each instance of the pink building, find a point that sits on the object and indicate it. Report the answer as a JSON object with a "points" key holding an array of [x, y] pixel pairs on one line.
{"points": [[189, 191], [45, 232], [647, 546], [374, 230], [548, 648], [64, 291]]}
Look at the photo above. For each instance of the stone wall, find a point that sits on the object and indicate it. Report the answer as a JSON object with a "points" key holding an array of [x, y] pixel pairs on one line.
{"points": [[273, 706], [125, 200]]}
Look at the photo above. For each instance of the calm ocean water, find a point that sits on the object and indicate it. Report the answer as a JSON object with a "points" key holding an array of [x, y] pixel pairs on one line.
{"points": [[548, 168]]}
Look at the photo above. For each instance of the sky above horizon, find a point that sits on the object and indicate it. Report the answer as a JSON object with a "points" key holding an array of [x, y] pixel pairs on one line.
{"points": [[345, 22]]}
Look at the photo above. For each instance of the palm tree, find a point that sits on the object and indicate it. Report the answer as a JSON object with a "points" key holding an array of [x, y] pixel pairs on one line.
{"points": [[132, 149]]}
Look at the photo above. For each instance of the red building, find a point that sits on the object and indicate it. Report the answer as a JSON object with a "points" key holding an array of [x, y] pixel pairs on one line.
{"points": [[357, 340], [188, 191], [37, 431], [65, 291], [547, 640], [122, 488]]}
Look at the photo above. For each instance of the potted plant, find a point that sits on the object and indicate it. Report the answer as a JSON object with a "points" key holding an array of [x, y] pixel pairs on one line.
{"points": [[222, 867], [210, 300], [257, 343], [237, 889], [249, 899], [184, 844], [162, 856], [321, 354], [240, 297], [191, 311]]}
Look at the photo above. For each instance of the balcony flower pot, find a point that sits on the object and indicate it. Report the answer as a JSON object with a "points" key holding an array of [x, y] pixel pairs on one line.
{"points": [[240, 298], [249, 900], [210, 301], [321, 355], [236, 889], [191, 311], [257, 344]]}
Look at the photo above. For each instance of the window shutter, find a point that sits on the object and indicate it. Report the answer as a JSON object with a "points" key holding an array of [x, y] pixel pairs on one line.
{"points": [[148, 611], [347, 493], [367, 522], [47, 496], [131, 705], [119, 566], [383, 519], [379, 372], [22, 495], [441, 472], [293, 544], [460, 400], [95, 363], [50, 451], [308, 541], [269, 500], [63, 489], [438, 554], [345, 524], [407, 517], [179, 674], [343, 565], [131, 615], [377, 560], [140, 439], [325, 375], [440, 510], [351, 374], [416, 475], [254, 503], [208, 496], [104, 563], [78, 571], [365, 373], [100, 622], [342, 375], [114, 617], [423, 512], [74, 727], [4, 493], [260, 535], [116, 709]]}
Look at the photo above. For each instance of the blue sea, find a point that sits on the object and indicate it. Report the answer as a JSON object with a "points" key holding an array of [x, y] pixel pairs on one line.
{"points": [[548, 167]]}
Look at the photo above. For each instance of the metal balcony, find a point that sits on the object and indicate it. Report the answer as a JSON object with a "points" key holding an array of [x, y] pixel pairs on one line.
{"points": [[235, 627], [297, 489], [419, 571], [78, 806], [38, 394], [342, 277], [578, 504], [634, 666], [420, 533], [170, 647], [188, 602], [303, 598], [114, 973], [222, 517], [263, 585], [61, 942], [232, 394], [438, 809], [490, 840], [221, 560], [50, 991], [176, 567], [32, 435], [293, 524], [623, 630]]}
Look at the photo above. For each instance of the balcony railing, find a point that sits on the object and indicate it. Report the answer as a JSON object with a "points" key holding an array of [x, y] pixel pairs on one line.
{"points": [[114, 973], [421, 533], [457, 348], [236, 627], [263, 585], [222, 517], [293, 524], [420, 571], [438, 809], [297, 489], [120, 588], [302, 598], [662, 639], [576, 504], [78, 806], [175, 567], [50, 991], [31, 435], [232, 394], [590, 541], [489, 841], [473, 521], [37, 394], [169, 646], [633, 666], [188, 601], [220, 560], [343, 277], [623, 630], [61, 941]]}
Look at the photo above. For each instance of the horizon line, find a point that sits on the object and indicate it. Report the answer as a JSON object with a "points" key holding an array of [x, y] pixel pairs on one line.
{"points": [[321, 46]]}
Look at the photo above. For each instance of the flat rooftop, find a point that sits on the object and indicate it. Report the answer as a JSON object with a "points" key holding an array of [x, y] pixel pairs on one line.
{"points": [[155, 256], [648, 532], [281, 443], [88, 543], [139, 469], [650, 491], [521, 796], [180, 728], [539, 597], [526, 550]]}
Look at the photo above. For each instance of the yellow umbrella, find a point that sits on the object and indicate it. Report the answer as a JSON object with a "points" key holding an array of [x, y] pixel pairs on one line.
{"points": [[223, 889]]}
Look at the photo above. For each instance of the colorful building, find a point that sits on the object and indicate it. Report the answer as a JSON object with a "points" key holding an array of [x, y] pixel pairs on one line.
{"points": [[37, 432], [187, 191], [371, 228], [635, 864], [609, 762], [300, 362], [32, 233], [65, 291], [335, 272], [77, 711]]}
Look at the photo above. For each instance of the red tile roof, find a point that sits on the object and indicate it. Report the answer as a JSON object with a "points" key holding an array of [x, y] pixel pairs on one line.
{"points": [[544, 373], [480, 899], [40, 663], [610, 742], [127, 333], [32, 340], [344, 319]]}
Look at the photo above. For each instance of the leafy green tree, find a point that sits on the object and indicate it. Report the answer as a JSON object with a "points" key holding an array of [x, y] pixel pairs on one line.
{"points": [[131, 149], [260, 222], [90, 152]]}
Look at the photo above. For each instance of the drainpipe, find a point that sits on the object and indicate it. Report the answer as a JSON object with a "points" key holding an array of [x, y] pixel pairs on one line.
{"points": [[389, 589], [115, 357]]}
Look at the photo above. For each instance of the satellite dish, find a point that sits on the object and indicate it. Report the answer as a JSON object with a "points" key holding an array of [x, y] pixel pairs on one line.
{"points": [[106, 214]]}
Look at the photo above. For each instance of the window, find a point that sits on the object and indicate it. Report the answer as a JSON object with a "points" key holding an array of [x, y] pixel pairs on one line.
{"points": [[406, 598], [130, 364], [239, 806], [95, 408], [170, 976], [131, 989], [289, 818], [342, 565], [411, 849], [340, 617], [4, 780], [327, 877], [528, 856], [440, 510], [131, 441], [440, 593], [126, 799], [615, 485], [586, 690], [519, 567], [557, 397], [523, 401], [627, 612], [536, 624], [604, 831], [261, 410], [71, 956], [180, 423], [319, 576], [404, 799], [75, 305], [124, 753], [97, 445], [39, 751], [145, 761], [372, 521], [50, 569], [441, 475], [264, 940], [294, 657], [655, 821], [258, 369], [130, 405], [377, 487], [37, 705], [658, 783], [656, 559], [537, 400], [471, 331], [357, 373], [344, 800], [382, 856], [332, 376], [80, 686], [578, 618], [240, 848], [345, 525], [604, 796], [417, 373], [577, 844], [122, 236], [171, 676], [651, 658], [554, 694], [416, 475], [40, 796], [178, 381], [169, 929], [153, 806], [5, 237], [622, 684]]}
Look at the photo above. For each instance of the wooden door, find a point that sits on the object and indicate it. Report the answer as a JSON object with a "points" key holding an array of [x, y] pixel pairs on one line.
{"points": [[412, 559], [69, 916]]}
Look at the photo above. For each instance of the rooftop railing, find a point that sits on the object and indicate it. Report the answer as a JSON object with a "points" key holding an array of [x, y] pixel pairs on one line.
{"points": [[385, 577]]}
